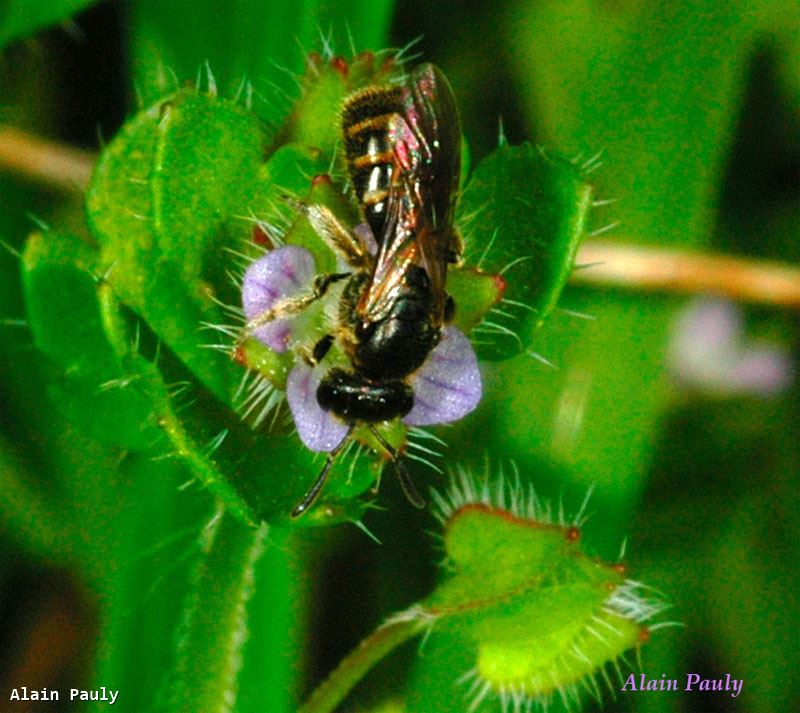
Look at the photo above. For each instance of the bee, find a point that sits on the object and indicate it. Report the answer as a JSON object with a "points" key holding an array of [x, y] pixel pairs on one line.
{"points": [[402, 144]]}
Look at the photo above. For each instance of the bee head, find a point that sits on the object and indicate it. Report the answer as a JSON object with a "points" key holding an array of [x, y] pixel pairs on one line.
{"points": [[352, 397]]}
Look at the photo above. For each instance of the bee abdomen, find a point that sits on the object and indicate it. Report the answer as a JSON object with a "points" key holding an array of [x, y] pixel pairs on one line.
{"points": [[365, 122]]}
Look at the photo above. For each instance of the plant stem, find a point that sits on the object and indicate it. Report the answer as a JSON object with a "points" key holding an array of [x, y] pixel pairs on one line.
{"points": [[609, 264], [675, 271], [216, 627], [331, 692], [49, 162]]}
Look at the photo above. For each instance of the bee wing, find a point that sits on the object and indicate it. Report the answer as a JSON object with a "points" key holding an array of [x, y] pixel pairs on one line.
{"points": [[426, 147]]}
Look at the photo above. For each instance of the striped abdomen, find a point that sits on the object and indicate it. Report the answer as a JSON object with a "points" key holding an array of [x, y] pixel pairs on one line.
{"points": [[365, 122]]}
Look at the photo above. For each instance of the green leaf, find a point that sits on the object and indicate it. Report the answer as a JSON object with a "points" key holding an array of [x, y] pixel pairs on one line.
{"points": [[118, 205], [116, 395], [26, 513], [93, 392], [608, 388], [299, 172], [539, 580], [259, 476], [738, 584], [314, 118], [171, 194], [207, 156], [68, 331], [21, 18], [652, 92], [664, 123], [522, 215], [522, 609], [141, 574], [524, 603], [474, 293], [275, 635]]}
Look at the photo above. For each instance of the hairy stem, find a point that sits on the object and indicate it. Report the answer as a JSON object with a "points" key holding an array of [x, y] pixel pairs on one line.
{"points": [[331, 692], [216, 627], [609, 264]]}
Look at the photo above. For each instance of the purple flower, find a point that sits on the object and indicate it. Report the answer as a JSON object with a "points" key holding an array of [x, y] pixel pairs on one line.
{"points": [[709, 351], [446, 387], [319, 430], [286, 272]]}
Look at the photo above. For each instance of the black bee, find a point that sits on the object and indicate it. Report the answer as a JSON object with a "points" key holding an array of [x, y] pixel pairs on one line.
{"points": [[402, 144]]}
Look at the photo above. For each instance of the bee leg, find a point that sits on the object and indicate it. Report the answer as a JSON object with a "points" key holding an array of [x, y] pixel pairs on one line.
{"points": [[406, 483], [293, 305], [335, 235], [311, 495]]}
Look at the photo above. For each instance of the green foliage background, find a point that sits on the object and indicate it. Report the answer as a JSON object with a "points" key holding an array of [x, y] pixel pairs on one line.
{"points": [[696, 107]]}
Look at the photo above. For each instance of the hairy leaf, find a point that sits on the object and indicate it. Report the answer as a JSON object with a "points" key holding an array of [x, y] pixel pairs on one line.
{"points": [[170, 195], [93, 391], [522, 215]]}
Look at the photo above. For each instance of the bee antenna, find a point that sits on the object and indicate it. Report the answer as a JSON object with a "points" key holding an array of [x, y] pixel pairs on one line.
{"points": [[311, 495], [402, 474]]}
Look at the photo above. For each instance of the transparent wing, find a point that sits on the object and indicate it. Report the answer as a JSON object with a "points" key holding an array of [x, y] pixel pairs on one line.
{"points": [[426, 146]]}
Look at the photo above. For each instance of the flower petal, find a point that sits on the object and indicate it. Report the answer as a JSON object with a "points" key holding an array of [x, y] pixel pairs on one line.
{"points": [[281, 273], [448, 385], [763, 370], [710, 351], [319, 430]]}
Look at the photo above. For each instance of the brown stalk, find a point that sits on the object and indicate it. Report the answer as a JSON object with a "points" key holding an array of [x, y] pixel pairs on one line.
{"points": [[606, 263]]}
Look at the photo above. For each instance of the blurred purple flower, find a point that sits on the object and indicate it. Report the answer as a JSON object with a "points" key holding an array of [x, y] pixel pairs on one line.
{"points": [[709, 351], [446, 388]]}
